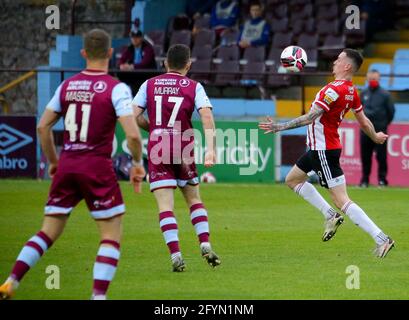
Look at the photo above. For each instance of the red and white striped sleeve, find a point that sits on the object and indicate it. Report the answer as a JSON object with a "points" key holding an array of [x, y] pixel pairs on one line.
{"points": [[326, 97], [357, 105]]}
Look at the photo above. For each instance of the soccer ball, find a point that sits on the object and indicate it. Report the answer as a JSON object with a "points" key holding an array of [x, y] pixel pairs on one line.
{"points": [[293, 58], [207, 177]]}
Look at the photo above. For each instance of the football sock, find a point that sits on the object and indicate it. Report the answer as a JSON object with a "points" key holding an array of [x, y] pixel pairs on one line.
{"points": [[311, 195], [169, 227], [359, 217], [105, 266], [29, 255], [198, 216]]}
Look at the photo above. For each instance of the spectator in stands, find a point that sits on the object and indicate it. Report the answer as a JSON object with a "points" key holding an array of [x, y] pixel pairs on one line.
{"points": [[256, 30], [379, 108], [138, 55], [197, 8], [224, 15]]}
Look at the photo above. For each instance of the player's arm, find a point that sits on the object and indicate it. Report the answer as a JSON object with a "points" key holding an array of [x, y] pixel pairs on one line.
{"points": [[139, 106], [122, 102], [44, 130], [367, 127], [209, 129], [270, 126], [134, 140], [142, 122]]}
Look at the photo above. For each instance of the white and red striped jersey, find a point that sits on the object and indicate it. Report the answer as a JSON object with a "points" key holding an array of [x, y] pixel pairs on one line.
{"points": [[336, 98]]}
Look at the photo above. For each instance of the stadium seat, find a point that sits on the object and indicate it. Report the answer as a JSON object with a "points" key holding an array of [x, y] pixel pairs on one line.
{"points": [[253, 73], [229, 37], [201, 66], [203, 22], [327, 12], [158, 49], [230, 66], [282, 39], [181, 37], [277, 80], [254, 54], [324, 2], [326, 27], [274, 56], [204, 36], [278, 25], [227, 54], [303, 26], [312, 55], [279, 10], [308, 41], [401, 54], [400, 80], [202, 52], [332, 46], [303, 11], [157, 37]]}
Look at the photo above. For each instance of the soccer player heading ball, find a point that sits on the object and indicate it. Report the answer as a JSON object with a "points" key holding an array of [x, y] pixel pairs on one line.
{"points": [[170, 99], [90, 103], [327, 111]]}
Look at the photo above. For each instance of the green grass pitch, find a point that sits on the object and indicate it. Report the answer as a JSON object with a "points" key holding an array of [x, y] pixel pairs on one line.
{"points": [[268, 238]]}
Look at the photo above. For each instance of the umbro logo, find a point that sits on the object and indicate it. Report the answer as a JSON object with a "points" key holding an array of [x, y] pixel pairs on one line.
{"points": [[12, 139]]}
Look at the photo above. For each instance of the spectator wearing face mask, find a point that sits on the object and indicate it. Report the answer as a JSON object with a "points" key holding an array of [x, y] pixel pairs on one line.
{"points": [[379, 108]]}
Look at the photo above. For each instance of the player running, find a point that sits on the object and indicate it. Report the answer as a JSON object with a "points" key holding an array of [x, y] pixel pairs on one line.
{"points": [[327, 111], [170, 100], [90, 103]]}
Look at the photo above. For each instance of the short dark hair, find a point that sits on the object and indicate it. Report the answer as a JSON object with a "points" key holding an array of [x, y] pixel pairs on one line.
{"points": [[178, 56], [255, 3], [374, 71], [355, 56], [97, 43]]}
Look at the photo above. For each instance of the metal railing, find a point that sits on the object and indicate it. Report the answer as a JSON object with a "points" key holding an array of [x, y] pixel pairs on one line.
{"points": [[298, 79]]}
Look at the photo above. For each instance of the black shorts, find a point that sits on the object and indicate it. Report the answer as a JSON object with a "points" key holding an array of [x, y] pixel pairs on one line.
{"points": [[326, 165]]}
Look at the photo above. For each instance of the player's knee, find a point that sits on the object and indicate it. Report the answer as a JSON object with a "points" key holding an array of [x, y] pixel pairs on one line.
{"points": [[290, 182]]}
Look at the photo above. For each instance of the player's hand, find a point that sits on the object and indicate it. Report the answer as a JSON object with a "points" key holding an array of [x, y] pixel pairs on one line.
{"points": [[52, 169], [380, 137], [136, 175], [210, 159], [269, 126]]}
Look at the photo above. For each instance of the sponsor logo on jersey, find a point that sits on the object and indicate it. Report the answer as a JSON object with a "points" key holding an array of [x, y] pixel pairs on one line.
{"points": [[330, 96], [100, 86], [184, 83]]}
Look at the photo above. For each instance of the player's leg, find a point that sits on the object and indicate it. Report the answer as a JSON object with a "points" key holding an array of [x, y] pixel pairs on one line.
{"points": [[108, 255], [104, 200], [32, 251], [168, 225], [341, 199], [199, 218], [296, 180]]}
